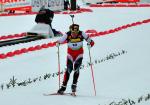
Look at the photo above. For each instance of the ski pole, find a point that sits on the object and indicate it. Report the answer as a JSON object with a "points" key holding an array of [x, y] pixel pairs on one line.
{"points": [[92, 71], [58, 66]]}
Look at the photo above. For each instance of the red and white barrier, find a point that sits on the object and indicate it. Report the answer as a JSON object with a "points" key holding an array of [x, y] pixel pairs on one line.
{"points": [[120, 5], [91, 33]]}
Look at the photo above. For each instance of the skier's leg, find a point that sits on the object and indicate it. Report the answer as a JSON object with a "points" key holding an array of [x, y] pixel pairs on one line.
{"points": [[77, 65], [66, 76], [68, 71]]}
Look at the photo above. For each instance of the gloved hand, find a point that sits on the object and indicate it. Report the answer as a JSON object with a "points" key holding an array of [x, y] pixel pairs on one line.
{"points": [[91, 44], [57, 44]]}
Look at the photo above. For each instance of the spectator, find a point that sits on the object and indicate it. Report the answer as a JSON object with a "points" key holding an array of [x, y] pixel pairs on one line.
{"points": [[45, 16], [66, 4]]}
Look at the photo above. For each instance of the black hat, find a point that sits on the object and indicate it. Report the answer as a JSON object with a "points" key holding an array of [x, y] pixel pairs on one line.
{"points": [[73, 26], [49, 12]]}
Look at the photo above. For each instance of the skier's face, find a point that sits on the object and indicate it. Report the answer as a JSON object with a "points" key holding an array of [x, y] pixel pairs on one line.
{"points": [[74, 31], [76, 28]]}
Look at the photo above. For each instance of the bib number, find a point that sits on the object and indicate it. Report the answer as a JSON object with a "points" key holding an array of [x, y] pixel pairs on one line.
{"points": [[74, 44]]}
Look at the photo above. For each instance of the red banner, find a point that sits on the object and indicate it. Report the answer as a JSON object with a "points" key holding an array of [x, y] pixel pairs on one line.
{"points": [[127, 0], [10, 1]]}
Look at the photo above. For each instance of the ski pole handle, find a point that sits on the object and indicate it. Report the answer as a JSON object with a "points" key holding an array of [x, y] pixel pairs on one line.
{"points": [[72, 16]]}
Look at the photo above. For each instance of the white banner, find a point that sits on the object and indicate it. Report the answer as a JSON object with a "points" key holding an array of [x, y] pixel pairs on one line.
{"points": [[10, 1], [50, 4], [35, 4]]}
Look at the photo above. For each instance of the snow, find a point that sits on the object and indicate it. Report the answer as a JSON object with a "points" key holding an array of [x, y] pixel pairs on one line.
{"points": [[125, 76]]}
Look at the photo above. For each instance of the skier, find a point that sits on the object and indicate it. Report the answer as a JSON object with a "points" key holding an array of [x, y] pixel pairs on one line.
{"points": [[74, 38]]}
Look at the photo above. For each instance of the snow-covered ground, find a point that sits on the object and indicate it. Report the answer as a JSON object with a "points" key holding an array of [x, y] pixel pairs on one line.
{"points": [[125, 76]]}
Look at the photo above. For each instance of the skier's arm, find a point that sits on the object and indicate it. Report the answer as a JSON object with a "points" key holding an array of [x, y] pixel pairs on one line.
{"points": [[88, 39], [62, 39]]}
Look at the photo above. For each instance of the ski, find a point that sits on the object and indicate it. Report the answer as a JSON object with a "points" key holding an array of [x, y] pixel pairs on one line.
{"points": [[51, 94]]}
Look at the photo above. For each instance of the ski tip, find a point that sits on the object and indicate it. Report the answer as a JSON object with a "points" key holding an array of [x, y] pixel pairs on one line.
{"points": [[45, 94], [50, 94]]}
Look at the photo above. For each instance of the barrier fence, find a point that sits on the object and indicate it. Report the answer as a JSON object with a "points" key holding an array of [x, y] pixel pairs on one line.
{"points": [[91, 33], [81, 10], [120, 5]]}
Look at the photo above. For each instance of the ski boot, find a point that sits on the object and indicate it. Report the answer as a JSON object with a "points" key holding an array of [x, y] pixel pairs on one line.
{"points": [[61, 90], [73, 87]]}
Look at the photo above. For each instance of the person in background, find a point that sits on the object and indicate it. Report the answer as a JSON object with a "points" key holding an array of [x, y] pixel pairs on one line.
{"points": [[46, 16], [66, 4], [74, 38]]}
